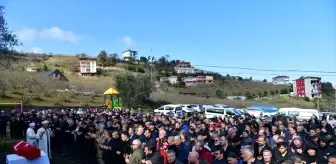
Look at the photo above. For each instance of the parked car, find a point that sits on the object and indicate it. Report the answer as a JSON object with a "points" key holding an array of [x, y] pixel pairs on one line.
{"points": [[197, 107], [187, 108], [170, 109]]}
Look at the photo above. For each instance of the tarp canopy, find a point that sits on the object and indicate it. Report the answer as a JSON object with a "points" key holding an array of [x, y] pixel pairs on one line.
{"points": [[111, 91], [263, 106]]}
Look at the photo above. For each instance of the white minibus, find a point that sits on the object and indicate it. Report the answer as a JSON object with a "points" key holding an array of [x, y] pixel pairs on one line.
{"points": [[301, 114], [219, 112]]}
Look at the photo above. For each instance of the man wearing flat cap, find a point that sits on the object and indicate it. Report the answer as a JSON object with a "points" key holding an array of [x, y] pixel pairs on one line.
{"points": [[44, 134], [31, 136]]}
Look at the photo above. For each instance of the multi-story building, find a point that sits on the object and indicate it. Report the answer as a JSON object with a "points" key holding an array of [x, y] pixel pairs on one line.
{"points": [[307, 87], [87, 66], [190, 81], [280, 80], [184, 68], [129, 54]]}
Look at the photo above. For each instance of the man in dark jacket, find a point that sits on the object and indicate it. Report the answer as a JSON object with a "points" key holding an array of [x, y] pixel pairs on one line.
{"points": [[183, 150], [281, 153], [152, 156], [171, 158], [219, 157]]}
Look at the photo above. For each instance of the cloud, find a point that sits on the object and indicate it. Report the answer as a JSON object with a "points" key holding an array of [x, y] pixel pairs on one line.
{"points": [[35, 50], [54, 33], [127, 40]]}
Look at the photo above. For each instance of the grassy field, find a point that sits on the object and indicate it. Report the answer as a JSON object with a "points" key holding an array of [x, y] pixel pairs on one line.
{"points": [[170, 94], [187, 99]]}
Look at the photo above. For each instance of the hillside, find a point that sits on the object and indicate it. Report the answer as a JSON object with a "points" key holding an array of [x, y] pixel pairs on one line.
{"points": [[216, 92]]}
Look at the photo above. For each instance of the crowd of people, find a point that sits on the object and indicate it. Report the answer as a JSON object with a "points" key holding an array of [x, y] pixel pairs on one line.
{"points": [[99, 136]]}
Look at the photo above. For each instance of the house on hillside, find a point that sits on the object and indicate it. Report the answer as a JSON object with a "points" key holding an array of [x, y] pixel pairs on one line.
{"points": [[129, 54], [184, 68], [32, 69], [308, 87], [87, 66], [280, 80], [54, 74], [173, 79]]}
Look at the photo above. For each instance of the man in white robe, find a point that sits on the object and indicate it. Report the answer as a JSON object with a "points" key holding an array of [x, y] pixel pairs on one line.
{"points": [[44, 134], [31, 136]]}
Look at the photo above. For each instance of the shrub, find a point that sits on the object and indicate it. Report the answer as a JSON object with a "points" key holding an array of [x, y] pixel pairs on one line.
{"points": [[306, 99]]}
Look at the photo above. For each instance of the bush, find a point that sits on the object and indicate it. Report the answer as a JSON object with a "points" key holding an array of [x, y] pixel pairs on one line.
{"points": [[306, 99], [140, 69]]}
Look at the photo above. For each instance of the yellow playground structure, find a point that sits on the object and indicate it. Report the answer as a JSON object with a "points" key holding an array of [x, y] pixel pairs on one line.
{"points": [[112, 99]]}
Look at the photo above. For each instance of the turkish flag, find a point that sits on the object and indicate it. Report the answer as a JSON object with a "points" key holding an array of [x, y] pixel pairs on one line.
{"points": [[26, 150]]}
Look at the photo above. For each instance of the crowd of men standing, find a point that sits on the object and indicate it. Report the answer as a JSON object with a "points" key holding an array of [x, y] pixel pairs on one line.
{"points": [[98, 136]]}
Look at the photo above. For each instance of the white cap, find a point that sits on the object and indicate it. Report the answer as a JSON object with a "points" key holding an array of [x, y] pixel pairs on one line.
{"points": [[32, 124], [45, 122]]}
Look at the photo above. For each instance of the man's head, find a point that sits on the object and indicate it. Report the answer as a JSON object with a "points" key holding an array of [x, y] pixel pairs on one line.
{"points": [[136, 144], [199, 146], [140, 131], [148, 149], [261, 140], [219, 153], [177, 140], [332, 159], [124, 137], [45, 124], [292, 130], [267, 155], [147, 133], [282, 147], [32, 125], [193, 157], [223, 140], [232, 158], [247, 152], [162, 134], [171, 156]]}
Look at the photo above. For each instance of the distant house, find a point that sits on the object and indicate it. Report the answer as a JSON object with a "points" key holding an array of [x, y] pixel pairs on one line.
{"points": [[280, 80], [87, 66], [32, 69], [129, 54], [191, 81], [184, 68], [173, 79], [164, 79], [54, 74], [243, 98]]}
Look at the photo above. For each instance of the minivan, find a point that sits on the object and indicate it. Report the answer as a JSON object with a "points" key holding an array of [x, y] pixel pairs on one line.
{"points": [[219, 112], [301, 114]]}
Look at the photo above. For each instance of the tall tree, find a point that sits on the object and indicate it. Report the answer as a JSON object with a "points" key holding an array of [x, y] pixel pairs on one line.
{"points": [[102, 57], [8, 40], [134, 89]]}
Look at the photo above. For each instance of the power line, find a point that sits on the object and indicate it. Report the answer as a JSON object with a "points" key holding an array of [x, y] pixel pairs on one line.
{"points": [[263, 70], [271, 74]]}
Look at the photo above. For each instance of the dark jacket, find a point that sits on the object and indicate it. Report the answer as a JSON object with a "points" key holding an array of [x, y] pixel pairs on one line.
{"points": [[222, 161], [155, 158], [183, 152]]}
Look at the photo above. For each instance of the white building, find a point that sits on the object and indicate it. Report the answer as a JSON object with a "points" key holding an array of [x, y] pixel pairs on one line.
{"points": [[88, 65], [173, 79], [184, 68], [127, 55], [307, 87], [280, 80]]}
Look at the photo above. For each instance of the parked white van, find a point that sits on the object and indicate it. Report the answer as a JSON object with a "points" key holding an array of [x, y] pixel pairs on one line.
{"points": [[301, 114], [219, 112], [176, 110]]}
